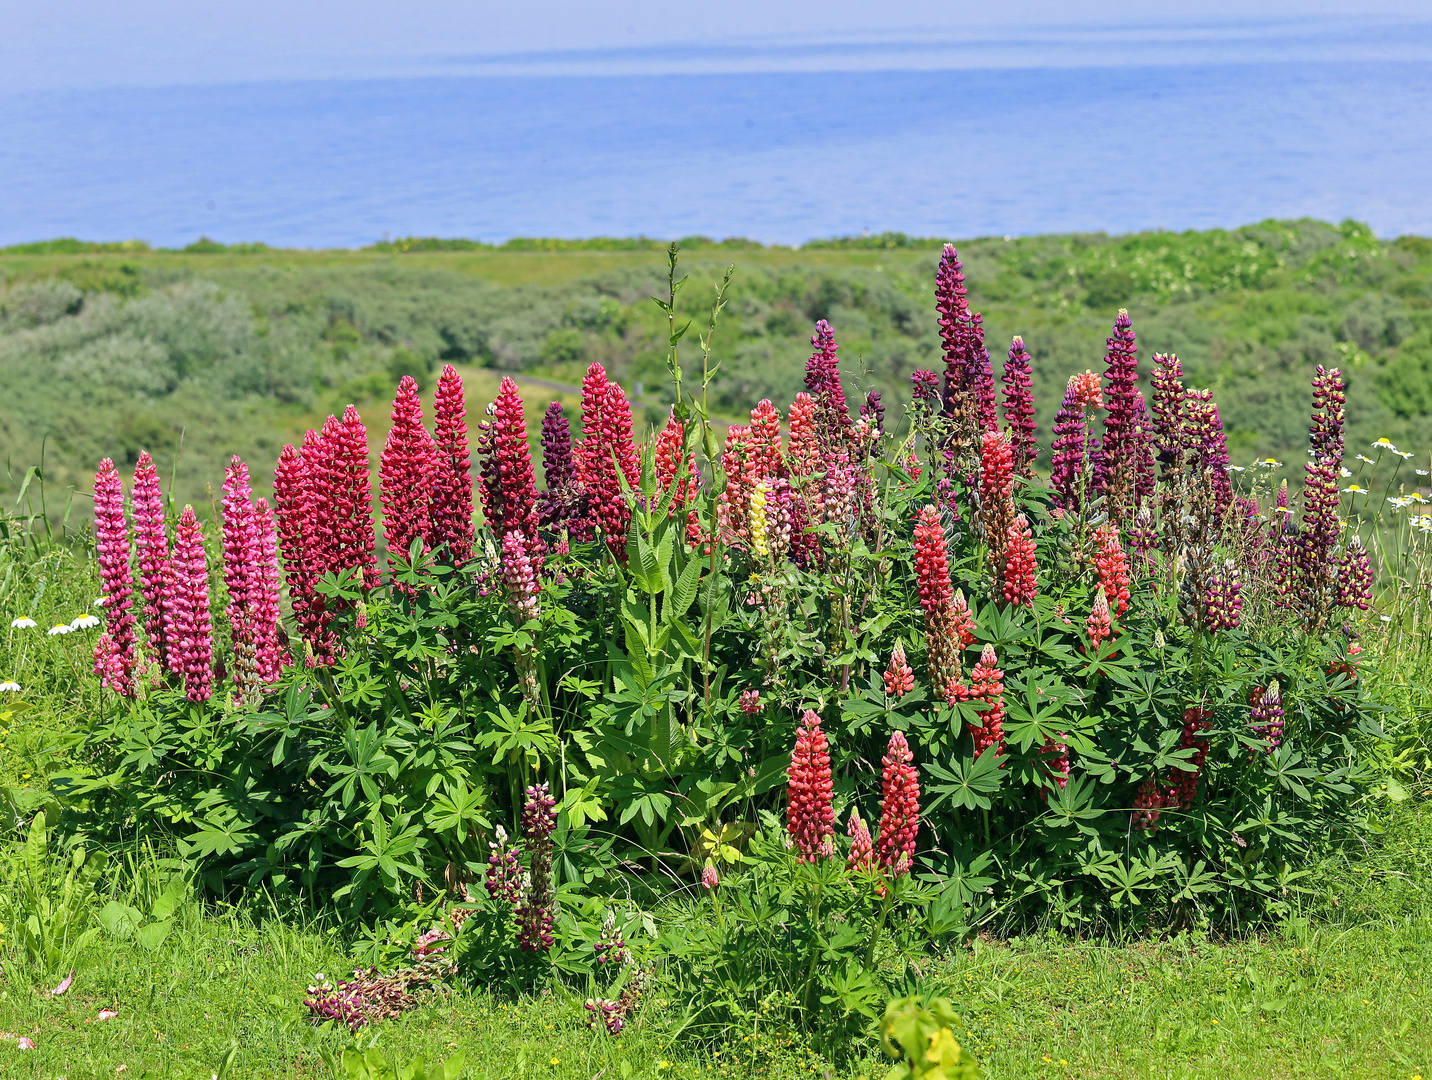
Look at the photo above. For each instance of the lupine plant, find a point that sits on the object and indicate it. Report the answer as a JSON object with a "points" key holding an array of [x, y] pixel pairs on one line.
{"points": [[1127, 693]]}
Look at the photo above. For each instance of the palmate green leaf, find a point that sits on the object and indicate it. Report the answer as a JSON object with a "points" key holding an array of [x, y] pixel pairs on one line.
{"points": [[969, 782]]}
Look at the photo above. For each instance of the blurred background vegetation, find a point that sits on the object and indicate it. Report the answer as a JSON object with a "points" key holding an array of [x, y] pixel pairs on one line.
{"points": [[107, 349]]}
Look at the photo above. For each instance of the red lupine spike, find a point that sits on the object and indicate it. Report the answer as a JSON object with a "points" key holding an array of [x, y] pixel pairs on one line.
{"points": [[765, 441], [450, 508], [152, 548], [405, 474], [899, 676], [1018, 582], [899, 807], [932, 569], [1112, 565], [733, 509], [1183, 784], [188, 628], [996, 496], [810, 819], [114, 657]]}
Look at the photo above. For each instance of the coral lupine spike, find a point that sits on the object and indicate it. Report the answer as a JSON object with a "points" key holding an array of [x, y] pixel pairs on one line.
{"points": [[188, 630], [899, 807], [450, 508], [1019, 407], [1019, 575], [862, 849], [1125, 476], [152, 548], [1112, 566], [987, 685], [508, 483], [114, 659], [899, 676], [810, 819], [405, 474], [932, 569], [766, 441], [733, 509], [996, 495]]}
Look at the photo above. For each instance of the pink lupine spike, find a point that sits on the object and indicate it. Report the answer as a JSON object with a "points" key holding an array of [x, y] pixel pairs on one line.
{"points": [[188, 629], [810, 819], [114, 659], [152, 548], [899, 807], [405, 474], [242, 577], [450, 508], [899, 676], [296, 520], [269, 651]]}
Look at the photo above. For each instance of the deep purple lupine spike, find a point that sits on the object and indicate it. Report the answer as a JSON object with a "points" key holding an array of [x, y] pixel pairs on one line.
{"points": [[563, 504], [1125, 476], [1074, 450], [1019, 407], [969, 375], [1321, 527], [822, 380]]}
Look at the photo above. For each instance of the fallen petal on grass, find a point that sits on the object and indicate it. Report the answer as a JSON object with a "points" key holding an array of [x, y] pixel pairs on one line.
{"points": [[26, 1044], [64, 984]]}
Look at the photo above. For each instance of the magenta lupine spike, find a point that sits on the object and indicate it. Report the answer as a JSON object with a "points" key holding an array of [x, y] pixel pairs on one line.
{"points": [[822, 380], [1125, 476], [188, 629], [152, 548], [562, 505], [509, 487], [296, 518], [450, 509], [350, 500], [114, 657], [241, 551], [269, 650], [1019, 407], [607, 456], [405, 474]]}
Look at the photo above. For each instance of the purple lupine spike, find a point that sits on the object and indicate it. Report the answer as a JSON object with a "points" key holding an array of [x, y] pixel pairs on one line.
{"points": [[1019, 407], [1074, 449], [873, 410], [969, 375], [152, 548], [114, 659], [822, 380], [186, 608], [1266, 714], [534, 915], [1285, 546], [563, 504], [1167, 408], [1125, 476], [1355, 579]]}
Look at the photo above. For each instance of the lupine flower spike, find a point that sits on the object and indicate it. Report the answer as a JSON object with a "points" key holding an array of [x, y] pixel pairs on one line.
{"points": [[188, 629], [862, 850], [1125, 473], [899, 676], [405, 475], [509, 488], [810, 820], [987, 685], [450, 508], [1019, 408], [1266, 714], [899, 807], [152, 548], [534, 912], [114, 659]]}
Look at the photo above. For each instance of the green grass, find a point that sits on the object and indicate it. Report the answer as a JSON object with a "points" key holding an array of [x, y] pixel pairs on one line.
{"points": [[1344, 996]]}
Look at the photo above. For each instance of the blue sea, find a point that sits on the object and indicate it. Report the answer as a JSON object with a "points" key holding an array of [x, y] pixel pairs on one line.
{"points": [[776, 157]]}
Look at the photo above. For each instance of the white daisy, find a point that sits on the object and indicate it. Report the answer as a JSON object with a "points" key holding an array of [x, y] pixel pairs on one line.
{"points": [[58, 629], [9, 687], [1345, 473], [22, 623], [1384, 444], [1364, 457], [84, 622]]}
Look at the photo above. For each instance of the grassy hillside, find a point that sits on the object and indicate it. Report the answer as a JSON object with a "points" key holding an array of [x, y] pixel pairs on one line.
{"points": [[107, 349]]}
